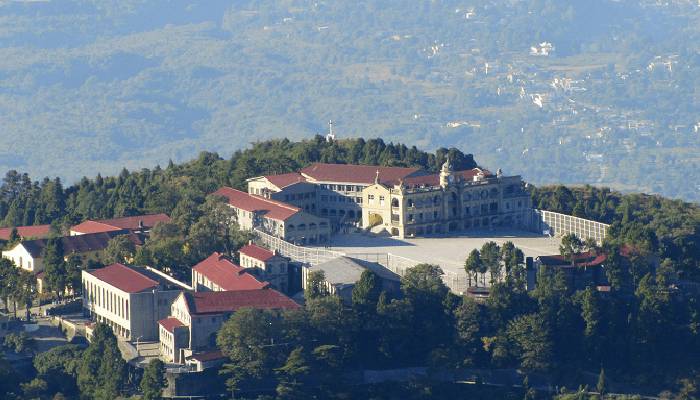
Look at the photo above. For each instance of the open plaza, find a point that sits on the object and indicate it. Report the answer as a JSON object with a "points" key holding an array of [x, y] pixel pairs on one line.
{"points": [[449, 252]]}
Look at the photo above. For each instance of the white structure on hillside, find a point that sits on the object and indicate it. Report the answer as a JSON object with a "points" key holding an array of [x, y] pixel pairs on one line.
{"points": [[129, 299]]}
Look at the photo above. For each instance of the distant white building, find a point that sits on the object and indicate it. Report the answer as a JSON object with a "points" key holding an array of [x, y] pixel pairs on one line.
{"points": [[542, 49]]}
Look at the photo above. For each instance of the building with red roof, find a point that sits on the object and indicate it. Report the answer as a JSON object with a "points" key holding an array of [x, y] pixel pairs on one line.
{"points": [[275, 217], [404, 202], [203, 313], [26, 232], [356, 174], [129, 299], [217, 273], [28, 254], [267, 265], [587, 269], [138, 223]]}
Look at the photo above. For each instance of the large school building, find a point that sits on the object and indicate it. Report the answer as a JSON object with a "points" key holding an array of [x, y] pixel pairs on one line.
{"points": [[406, 202]]}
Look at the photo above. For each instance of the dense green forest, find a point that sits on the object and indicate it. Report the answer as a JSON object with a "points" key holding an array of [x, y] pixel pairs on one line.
{"points": [[133, 83], [643, 336]]}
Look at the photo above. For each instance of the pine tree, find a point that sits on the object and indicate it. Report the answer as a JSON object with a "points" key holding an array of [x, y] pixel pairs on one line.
{"points": [[602, 386], [472, 266], [291, 386], [56, 274], [101, 371], [366, 292], [153, 380]]}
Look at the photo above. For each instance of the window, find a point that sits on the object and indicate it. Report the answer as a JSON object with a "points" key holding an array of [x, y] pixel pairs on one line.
{"points": [[324, 198], [466, 210], [381, 200], [435, 214], [348, 188]]}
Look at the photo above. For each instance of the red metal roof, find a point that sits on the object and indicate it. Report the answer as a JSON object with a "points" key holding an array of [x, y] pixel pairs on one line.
{"points": [[230, 301], [124, 278], [363, 174], [130, 223], [208, 356], [170, 323], [36, 231], [249, 202], [227, 275], [81, 243], [284, 180], [256, 252], [587, 259], [434, 179]]}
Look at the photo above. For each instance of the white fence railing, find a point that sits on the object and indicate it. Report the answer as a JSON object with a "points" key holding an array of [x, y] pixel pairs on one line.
{"points": [[561, 224], [307, 255]]}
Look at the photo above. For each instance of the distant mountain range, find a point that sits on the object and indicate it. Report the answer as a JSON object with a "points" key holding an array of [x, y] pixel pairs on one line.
{"points": [[579, 91]]}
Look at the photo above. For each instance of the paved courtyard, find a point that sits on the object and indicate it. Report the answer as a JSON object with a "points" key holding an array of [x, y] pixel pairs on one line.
{"points": [[447, 251]]}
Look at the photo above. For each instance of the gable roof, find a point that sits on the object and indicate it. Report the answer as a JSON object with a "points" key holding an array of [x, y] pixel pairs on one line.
{"points": [[230, 301], [284, 180], [362, 174], [256, 252], [170, 323], [249, 202], [434, 179], [35, 231], [227, 275], [587, 259], [124, 278], [131, 223], [79, 244], [347, 271]]}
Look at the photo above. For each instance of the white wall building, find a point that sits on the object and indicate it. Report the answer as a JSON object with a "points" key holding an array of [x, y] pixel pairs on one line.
{"points": [[129, 299]]}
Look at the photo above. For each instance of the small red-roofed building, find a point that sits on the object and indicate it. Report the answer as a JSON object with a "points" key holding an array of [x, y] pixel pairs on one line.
{"points": [[26, 232], [217, 273], [138, 224], [28, 254], [203, 313], [276, 218], [588, 269], [131, 300], [267, 265]]}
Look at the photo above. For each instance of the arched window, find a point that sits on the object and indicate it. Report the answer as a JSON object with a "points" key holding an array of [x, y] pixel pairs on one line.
{"points": [[394, 202], [301, 227], [312, 226], [290, 227], [436, 200]]}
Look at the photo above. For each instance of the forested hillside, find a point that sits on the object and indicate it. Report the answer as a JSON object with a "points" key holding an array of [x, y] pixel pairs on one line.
{"points": [[134, 83]]}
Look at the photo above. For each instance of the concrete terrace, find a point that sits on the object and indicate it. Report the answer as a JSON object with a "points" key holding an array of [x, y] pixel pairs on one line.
{"points": [[447, 251]]}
